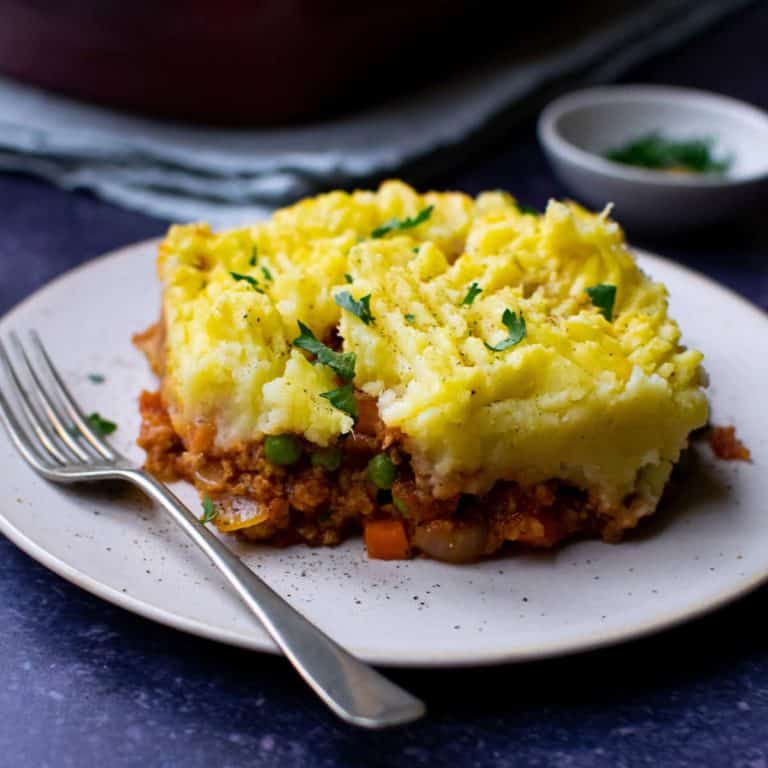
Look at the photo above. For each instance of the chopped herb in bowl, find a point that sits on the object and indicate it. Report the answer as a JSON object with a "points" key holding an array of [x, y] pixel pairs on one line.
{"points": [[655, 152]]}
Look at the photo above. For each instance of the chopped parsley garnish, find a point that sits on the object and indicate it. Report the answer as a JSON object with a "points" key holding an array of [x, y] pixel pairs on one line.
{"points": [[529, 209], [474, 291], [415, 249], [267, 274], [209, 510], [401, 224], [517, 331], [603, 297], [96, 378], [254, 256], [409, 318], [343, 398], [657, 153], [348, 277], [361, 308], [252, 281], [101, 425], [342, 363]]}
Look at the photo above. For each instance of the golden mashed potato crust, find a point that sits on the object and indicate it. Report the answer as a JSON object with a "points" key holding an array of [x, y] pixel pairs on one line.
{"points": [[605, 406]]}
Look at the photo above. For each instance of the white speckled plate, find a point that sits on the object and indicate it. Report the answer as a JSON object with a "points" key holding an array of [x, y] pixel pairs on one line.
{"points": [[707, 547]]}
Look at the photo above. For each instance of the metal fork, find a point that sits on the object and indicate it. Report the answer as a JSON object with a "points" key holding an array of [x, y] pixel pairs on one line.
{"points": [[56, 439]]}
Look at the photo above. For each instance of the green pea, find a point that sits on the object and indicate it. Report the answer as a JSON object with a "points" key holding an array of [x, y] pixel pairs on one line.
{"points": [[381, 471], [327, 458], [282, 449]]}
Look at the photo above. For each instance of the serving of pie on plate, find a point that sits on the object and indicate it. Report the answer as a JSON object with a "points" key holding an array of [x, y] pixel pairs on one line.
{"points": [[444, 374], [706, 544]]}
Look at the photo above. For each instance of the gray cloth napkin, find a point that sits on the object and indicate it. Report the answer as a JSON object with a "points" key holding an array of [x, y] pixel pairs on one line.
{"points": [[229, 176]]}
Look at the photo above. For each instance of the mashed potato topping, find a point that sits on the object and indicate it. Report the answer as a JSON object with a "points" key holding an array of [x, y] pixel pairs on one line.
{"points": [[604, 404]]}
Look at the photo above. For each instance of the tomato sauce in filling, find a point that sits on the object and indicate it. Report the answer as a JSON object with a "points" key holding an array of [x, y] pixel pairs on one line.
{"points": [[726, 445]]}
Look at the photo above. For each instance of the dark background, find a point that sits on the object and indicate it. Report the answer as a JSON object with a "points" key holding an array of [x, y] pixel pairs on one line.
{"points": [[84, 683]]}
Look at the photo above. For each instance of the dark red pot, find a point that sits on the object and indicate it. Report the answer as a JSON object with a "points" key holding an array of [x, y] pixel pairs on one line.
{"points": [[231, 61]]}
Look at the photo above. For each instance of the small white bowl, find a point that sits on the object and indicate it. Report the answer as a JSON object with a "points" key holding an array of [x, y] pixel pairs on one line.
{"points": [[577, 129]]}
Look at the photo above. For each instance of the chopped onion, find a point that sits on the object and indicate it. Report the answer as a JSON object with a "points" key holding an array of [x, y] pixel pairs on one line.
{"points": [[450, 541]]}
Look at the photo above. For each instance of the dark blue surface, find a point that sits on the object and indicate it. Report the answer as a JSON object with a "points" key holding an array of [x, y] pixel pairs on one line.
{"points": [[84, 683]]}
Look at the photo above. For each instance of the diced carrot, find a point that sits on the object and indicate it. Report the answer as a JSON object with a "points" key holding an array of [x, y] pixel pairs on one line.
{"points": [[386, 540], [368, 419]]}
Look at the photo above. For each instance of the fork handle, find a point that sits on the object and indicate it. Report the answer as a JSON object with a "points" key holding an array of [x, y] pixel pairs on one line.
{"points": [[353, 690]]}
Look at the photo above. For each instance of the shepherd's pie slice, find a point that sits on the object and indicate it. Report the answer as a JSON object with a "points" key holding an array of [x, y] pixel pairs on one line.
{"points": [[446, 373]]}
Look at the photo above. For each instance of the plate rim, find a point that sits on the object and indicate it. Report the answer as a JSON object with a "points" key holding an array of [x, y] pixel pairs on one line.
{"points": [[583, 644]]}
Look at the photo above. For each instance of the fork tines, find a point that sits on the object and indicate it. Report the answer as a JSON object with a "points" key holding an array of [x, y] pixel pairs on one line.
{"points": [[47, 426]]}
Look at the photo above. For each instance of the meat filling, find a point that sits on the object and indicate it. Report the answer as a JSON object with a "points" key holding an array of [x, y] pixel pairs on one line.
{"points": [[321, 505]]}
